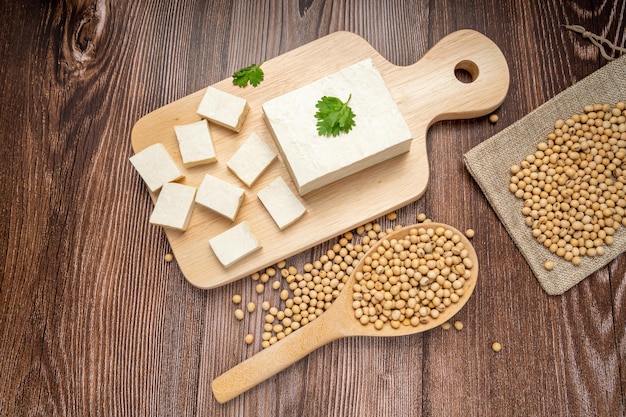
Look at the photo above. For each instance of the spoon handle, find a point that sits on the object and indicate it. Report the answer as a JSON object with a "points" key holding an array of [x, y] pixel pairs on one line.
{"points": [[275, 358]]}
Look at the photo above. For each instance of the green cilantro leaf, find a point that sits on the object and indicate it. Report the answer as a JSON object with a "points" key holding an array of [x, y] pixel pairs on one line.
{"points": [[252, 74], [334, 116]]}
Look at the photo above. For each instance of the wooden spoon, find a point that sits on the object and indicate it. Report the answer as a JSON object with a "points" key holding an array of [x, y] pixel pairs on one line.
{"points": [[336, 322]]}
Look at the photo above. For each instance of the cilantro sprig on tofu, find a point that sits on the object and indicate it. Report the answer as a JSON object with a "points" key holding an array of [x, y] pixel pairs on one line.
{"points": [[334, 116]]}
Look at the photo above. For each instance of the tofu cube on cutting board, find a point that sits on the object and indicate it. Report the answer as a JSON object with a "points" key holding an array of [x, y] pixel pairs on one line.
{"points": [[220, 196], [234, 243], [314, 161], [251, 159], [173, 206], [195, 143], [223, 108], [156, 166], [281, 203]]}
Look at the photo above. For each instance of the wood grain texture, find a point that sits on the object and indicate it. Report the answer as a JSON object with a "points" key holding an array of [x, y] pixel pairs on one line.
{"points": [[94, 322]]}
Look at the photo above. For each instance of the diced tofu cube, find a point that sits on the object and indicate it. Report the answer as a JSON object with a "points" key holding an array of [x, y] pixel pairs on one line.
{"points": [[220, 196], [223, 108], [281, 203], [314, 161], [251, 159], [156, 166], [195, 143], [234, 244], [173, 206]]}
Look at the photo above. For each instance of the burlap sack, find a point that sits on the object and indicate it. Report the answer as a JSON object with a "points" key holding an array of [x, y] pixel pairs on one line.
{"points": [[489, 164]]}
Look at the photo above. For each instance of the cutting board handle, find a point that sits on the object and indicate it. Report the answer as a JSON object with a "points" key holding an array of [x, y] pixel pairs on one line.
{"points": [[433, 83]]}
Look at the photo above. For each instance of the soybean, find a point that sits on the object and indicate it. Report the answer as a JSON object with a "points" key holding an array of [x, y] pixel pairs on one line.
{"points": [[437, 260], [312, 289], [574, 184]]}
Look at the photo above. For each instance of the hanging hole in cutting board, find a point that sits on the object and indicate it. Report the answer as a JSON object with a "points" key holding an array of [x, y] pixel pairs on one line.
{"points": [[466, 71]]}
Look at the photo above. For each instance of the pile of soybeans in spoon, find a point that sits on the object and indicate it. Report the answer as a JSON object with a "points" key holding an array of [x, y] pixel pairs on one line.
{"points": [[574, 185], [410, 280]]}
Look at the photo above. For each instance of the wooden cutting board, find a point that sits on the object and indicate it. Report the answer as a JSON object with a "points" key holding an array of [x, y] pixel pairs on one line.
{"points": [[426, 92]]}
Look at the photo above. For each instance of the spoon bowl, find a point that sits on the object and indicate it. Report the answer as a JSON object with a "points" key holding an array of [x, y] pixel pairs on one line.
{"points": [[336, 322]]}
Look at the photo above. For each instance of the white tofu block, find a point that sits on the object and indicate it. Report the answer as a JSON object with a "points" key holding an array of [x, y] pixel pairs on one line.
{"points": [[314, 161], [195, 143], [281, 203], [234, 244], [251, 159], [223, 108], [156, 166], [220, 196], [173, 206]]}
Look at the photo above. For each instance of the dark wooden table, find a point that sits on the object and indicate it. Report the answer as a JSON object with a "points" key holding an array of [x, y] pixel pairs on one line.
{"points": [[94, 322]]}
